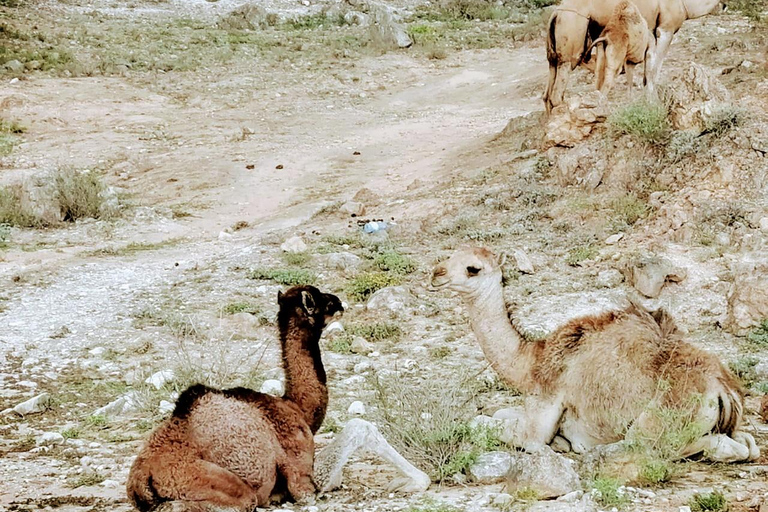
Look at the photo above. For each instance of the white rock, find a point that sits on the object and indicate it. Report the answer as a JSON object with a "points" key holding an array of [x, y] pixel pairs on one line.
{"points": [[356, 408], [160, 379], [273, 387], [391, 298], [503, 500], [361, 346], [764, 224], [353, 208], [294, 244], [343, 261], [363, 366], [684, 508], [27, 384], [34, 405], [97, 351], [223, 235], [50, 439], [524, 264], [614, 239], [110, 484], [491, 467], [334, 328], [166, 407], [126, 404], [546, 472], [609, 278]]}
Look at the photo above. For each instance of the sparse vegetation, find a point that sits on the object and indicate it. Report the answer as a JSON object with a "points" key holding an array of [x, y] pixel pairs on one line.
{"points": [[656, 471], [287, 276], [628, 209], [581, 254], [683, 143], [722, 119], [241, 307], [644, 120], [132, 248], [526, 494], [752, 9], [757, 339], [442, 442], [710, 502], [430, 505], [341, 344], [608, 493], [5, 235], [377, 331], [440, 352], [744, 369], [362, 286], [85, 480], [298, 259], [71, 433], [393, 261], [79, 193]]}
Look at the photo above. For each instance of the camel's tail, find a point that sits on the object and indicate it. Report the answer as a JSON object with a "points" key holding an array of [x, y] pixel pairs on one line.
{"points": [[599, 40], [551, 40], [731, 407], [139, 487]]}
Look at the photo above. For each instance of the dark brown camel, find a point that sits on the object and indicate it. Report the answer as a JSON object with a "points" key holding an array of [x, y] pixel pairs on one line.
{"points": [[228, 448]]}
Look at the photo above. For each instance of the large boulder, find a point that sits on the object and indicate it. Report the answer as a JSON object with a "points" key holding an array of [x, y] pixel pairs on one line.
{"points": [[391, 298], [747, 304], [547, 473], [249, 16], [491, 467], [693, 95], [648, 274], [573, 121]]}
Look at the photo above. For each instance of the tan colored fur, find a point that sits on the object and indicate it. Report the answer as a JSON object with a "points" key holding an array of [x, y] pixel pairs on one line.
{"points": [[230, 448], [597, 377], [572, 21], [624, 42]]}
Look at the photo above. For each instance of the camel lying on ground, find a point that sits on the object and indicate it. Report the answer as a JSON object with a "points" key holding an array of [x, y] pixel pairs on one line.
{"points": [[601, 378], [230, 447], [574, 23], [625, 41]]}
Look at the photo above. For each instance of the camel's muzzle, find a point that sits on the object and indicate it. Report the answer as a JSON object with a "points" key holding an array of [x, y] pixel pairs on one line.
{"points": [[439, 277]]}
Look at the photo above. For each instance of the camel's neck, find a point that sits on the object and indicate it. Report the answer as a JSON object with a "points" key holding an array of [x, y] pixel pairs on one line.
{"points": [[502, 345], [698, 8], [304, 371]]}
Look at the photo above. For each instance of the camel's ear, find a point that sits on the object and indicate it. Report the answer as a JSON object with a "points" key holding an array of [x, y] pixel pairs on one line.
{"points": [[279, 296], [502, 258], [309, 303]]}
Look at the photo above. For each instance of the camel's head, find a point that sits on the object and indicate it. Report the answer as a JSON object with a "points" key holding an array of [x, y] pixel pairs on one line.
{"points": [[469, 270], [309, 306]]}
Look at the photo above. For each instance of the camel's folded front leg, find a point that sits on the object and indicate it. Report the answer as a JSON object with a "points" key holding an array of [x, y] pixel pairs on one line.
{"points": [[532, 426]]}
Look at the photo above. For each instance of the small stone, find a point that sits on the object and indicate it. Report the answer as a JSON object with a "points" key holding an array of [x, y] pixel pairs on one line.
{"points": [[524, 264], [123, 405], [27, 384], [684, 508], [356, 408], [609, 278], [614, 239], [502, 501], [14, 66], [363, 366], [361, 346], [650, 273], [97, 351], [273, 387], [491, 467], [294, 244], [334, 328], [160, 379], [391, 298], [763, 223], [223, 235], [34, 405], [544, 471], [50, 439], [343, 261], [166, 407], [110, 484], [353, 208]]}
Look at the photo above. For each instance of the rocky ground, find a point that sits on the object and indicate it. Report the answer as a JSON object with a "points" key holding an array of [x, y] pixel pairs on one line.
{"points": [[221, 143]]}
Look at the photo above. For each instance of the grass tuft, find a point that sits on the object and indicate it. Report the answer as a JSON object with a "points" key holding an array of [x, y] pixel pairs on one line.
{"points": [[710, 502], [378, 331], [643, 120], [288, 276], [362, 286], [607, 492]]}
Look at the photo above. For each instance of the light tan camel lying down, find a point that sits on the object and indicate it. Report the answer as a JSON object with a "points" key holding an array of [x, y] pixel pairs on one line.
{"points": [[601, 378], [625, 41]]}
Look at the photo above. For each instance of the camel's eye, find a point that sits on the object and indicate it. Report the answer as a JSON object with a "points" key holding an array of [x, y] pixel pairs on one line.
{"points": [[472, 271]]}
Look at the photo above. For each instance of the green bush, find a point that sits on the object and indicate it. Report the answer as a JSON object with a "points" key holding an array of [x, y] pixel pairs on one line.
{"points": [[710, 502], [364, 285], [377, 331], [607, 492], [644, 120], [393, 261]]}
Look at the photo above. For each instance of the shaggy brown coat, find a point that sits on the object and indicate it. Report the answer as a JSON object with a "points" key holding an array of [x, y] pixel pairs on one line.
{"points": [[231, 447]]}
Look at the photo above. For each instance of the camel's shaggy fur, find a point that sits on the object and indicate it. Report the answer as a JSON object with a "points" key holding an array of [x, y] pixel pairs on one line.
{"points": [[625, 41], [574, 23], [231, 447], [598, 378]]}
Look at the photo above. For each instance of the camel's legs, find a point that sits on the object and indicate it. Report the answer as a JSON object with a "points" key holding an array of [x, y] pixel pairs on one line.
{"points": [[558, 87], [749, 441], [718, 448], [535, 426], [663, 41], [630, 68], [550, 85], [297, 470], [360, 434], [203, 481]]}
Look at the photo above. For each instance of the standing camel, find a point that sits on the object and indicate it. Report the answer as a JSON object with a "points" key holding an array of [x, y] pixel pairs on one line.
{"points": [[600, 378], [229, 447], [574, 23]]}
